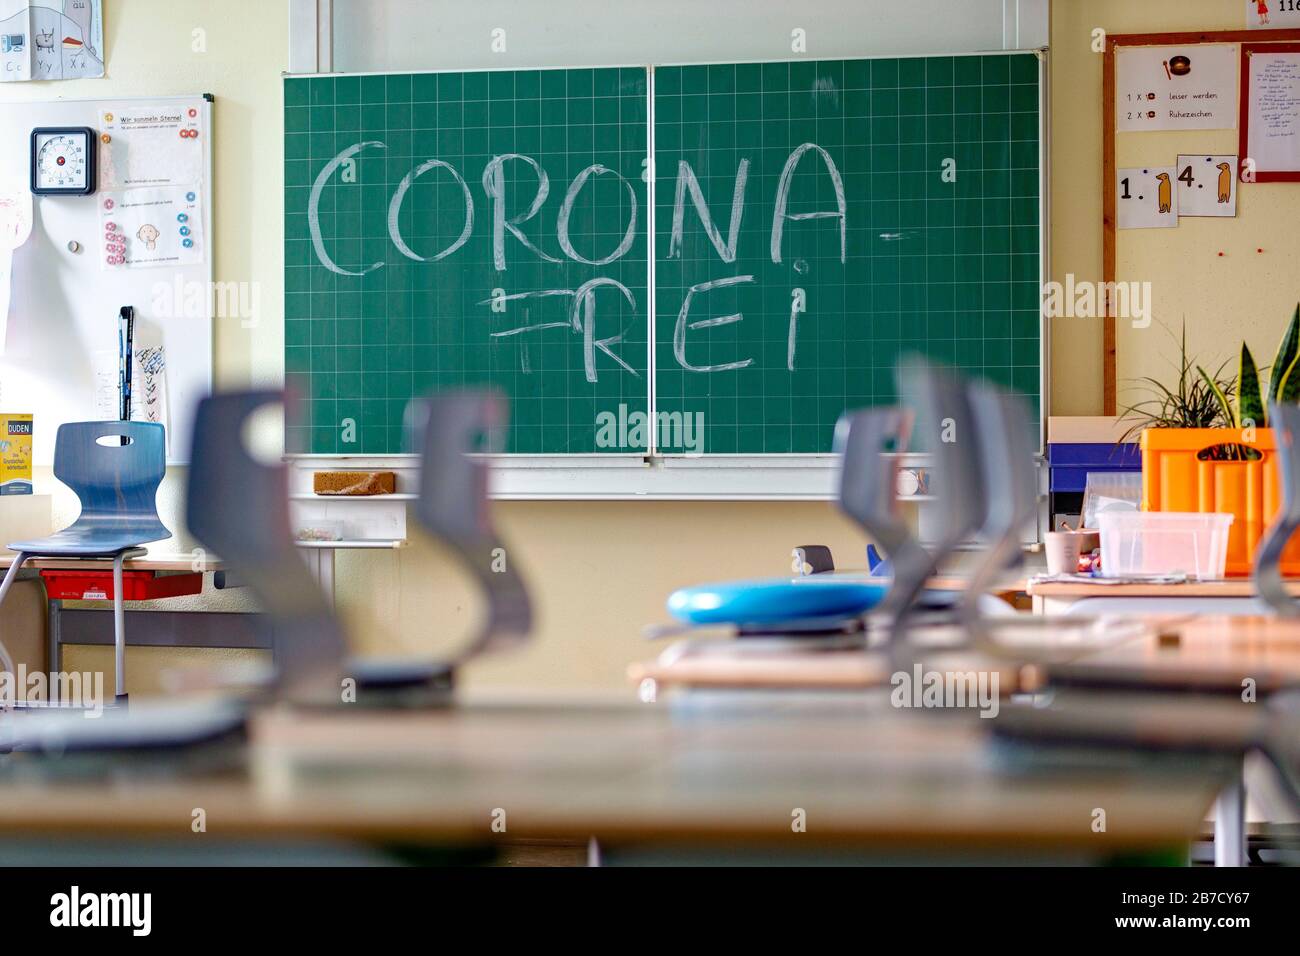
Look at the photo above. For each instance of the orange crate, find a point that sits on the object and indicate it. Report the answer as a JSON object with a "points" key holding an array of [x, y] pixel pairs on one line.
{"points": [[1175, 479]]}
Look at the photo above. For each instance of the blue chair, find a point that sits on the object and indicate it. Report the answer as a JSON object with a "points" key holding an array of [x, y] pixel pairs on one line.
{"points": [[117, 484]]}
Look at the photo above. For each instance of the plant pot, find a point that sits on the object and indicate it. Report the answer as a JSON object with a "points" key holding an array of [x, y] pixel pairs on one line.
{"points": [[1175, 478]]}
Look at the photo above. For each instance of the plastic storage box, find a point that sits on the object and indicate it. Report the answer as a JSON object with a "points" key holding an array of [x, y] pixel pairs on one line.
{"points": [[1164, 542], [96, 585], [1176, 478]]}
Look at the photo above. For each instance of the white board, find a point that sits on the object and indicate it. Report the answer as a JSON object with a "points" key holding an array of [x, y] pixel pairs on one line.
{"points": [[62, 325]]}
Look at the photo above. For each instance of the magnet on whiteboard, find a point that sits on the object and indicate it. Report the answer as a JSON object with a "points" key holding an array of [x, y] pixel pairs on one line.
{"points": [[74, 246]]}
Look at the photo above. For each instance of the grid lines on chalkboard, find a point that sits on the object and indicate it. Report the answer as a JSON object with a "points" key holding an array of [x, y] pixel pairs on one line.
{"points": [[359, 346], [948, 268]]}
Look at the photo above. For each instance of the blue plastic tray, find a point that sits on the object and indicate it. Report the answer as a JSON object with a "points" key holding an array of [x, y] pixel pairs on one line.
{"points": [[776, 600]]}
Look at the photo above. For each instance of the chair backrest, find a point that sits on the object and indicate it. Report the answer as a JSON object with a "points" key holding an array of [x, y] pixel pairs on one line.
{"points": [[454, 505], [238, 507], [1285, 421], [117, 483], [867, 441], [946, 430], [1010, 484]]}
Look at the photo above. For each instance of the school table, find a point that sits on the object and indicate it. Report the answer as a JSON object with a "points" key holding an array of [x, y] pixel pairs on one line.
{"points": [[1240, 657], [1209, 652], [154, 628], [852, 780], [1053, 597], [1201, 653]]}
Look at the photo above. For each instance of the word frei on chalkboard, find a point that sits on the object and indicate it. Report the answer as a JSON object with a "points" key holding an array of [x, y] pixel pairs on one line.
{"points": [[582, 312]]}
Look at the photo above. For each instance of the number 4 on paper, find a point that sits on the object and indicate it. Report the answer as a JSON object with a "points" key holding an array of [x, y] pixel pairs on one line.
{"points": [[1207, 185]]}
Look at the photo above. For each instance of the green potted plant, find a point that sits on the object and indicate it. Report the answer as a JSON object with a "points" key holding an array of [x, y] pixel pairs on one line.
{"points": [[1206, 445]]}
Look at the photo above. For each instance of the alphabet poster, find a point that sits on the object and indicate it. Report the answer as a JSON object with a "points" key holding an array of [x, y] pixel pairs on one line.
{"points": [[157, 226], [51, 39]]}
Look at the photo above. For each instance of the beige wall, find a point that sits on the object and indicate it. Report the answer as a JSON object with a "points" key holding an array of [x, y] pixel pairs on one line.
{"points": [[1243, 294], [601, 570]]}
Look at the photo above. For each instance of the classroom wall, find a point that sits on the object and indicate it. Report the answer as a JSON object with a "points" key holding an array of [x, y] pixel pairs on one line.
{"points": [[601, 570], [1243, 294], [153, 49]]}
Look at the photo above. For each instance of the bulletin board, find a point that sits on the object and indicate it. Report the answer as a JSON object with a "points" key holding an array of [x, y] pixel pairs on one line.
{"points": [[61, 342], [1213, 255]]}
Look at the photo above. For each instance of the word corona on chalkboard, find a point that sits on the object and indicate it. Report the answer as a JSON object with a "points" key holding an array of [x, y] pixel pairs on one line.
{"points": [[498, 188], [713, 259]]}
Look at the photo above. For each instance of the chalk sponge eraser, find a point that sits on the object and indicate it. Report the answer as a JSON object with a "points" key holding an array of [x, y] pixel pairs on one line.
{"points": [[354, 482]]}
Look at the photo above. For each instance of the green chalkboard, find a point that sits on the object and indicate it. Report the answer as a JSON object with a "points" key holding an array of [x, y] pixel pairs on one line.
{"points": [[390, 293], [889, 206]]}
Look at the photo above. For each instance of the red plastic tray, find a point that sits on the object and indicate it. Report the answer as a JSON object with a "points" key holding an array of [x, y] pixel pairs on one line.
{"points": [[136, 585]]}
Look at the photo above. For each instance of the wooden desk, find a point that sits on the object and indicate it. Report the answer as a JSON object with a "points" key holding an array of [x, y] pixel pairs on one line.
{"points": [[728, 662], [176, 563], [152, 628], [872, 781], [1053, 597], [1210, 652]]}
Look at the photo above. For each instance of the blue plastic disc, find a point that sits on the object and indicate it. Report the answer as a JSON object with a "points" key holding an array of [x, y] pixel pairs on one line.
{"points": [[776, 600]]}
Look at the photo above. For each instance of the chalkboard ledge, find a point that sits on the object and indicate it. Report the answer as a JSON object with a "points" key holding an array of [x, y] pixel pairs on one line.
{"points": [[615, 477]]}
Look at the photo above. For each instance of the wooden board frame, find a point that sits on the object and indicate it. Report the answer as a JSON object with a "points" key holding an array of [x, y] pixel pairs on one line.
{"points": [[1109, 220]]}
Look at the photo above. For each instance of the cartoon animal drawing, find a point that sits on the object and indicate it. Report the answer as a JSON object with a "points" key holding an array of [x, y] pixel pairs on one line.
{"points": [[1166, 194], [149, 235], [45, 40], [1225, 182]]}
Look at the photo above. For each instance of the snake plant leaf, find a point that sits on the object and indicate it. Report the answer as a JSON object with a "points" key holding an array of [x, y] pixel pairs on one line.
{"points": [[1250, 400], [1287, 350], [1288, 389], [1228, 412]]}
